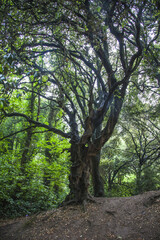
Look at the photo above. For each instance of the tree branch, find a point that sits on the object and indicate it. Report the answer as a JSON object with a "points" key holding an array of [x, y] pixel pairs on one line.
{"points": [[38, 124], [12, 134]]}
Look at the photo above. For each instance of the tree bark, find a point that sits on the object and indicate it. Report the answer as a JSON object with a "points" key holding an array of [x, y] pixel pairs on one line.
{"points": [[80, 173], [98, 185], [25, 155], [97, 180]]}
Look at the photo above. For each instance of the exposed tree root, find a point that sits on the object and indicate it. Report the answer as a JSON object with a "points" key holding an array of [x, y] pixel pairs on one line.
{"points": [[89, 199], [74, 201], [69, 202]]}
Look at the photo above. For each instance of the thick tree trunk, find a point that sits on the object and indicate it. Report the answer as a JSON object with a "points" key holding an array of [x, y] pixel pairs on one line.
{"points": [[80, 173], [98, 185], [97, 180], [84, 149]]}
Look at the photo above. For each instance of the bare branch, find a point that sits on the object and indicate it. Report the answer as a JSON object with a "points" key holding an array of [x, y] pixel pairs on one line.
{"points": [[38, 124]]}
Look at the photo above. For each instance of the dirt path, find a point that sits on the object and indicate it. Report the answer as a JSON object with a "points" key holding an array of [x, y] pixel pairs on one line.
{"points": [[132, 218]]}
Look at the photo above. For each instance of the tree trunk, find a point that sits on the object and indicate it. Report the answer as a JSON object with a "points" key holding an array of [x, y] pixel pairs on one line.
{"points": [[80, 173], [97, 180], [48, 158], [25, 155], [110, 182], [98, 185], [84, 149], [48, 155]]}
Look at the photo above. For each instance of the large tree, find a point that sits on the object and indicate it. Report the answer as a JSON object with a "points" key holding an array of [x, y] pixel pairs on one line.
{"points": [[81, 55]]}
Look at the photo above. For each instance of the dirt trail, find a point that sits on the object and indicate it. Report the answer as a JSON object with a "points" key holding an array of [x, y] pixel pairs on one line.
{"points": [[131, 218]]}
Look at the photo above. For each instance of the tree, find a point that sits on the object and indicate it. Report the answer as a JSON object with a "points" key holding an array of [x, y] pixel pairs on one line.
{"points": [[142, 143], [68, 47]]}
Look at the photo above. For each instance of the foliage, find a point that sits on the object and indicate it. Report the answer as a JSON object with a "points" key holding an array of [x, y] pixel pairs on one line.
{"points": [[24, 194]]}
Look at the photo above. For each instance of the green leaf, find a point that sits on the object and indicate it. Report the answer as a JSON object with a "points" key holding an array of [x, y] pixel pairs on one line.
{"points": [[98, 9]]}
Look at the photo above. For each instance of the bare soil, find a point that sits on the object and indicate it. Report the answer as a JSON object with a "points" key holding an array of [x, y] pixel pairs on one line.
{"points": [[130, 218]]}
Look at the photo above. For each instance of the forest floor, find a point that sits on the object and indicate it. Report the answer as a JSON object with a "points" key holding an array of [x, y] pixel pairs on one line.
{"points": [[129, 218]]}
